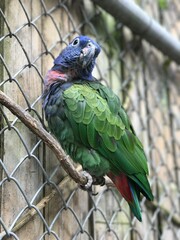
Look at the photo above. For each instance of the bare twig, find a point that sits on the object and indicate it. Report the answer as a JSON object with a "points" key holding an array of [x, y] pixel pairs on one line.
{"points": [[38, 129]]}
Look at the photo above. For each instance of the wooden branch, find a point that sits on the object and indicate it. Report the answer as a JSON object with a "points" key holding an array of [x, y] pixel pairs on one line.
{"points": [[36, 127]]}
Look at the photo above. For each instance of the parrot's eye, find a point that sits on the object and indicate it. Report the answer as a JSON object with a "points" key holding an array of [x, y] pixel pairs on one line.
{"points": [[89, 44], [75, 42]]}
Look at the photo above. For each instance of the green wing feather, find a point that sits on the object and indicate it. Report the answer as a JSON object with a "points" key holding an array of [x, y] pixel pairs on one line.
{"points": [[99, 122]]}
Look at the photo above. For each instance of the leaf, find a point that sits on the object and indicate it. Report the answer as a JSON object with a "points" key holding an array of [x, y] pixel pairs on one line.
{"points": [[163, 4]]}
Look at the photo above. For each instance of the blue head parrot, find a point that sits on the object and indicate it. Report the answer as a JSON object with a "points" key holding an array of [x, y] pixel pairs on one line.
{"points": [[88, 120]]}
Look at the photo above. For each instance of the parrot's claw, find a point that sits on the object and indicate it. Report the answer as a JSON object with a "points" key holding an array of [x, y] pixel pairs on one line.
{"points": [[89, 183], [92, 180]]}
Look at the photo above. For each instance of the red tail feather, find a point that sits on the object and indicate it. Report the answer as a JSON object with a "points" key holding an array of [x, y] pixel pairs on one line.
{"points": [[121, 182]]}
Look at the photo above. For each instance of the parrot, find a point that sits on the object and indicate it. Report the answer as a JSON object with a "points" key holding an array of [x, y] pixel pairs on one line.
{"points": [[88, 120]]}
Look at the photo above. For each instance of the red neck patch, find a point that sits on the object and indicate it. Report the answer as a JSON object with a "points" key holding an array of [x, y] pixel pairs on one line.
{"points": [[54, 76]]}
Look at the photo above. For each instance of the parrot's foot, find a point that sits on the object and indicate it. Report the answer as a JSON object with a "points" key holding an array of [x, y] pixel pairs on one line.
{"points": [[88, 185], [92, 180]]}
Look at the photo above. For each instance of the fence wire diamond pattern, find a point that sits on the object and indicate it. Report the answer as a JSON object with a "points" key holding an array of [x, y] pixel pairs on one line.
{"points": [[38, 199]]}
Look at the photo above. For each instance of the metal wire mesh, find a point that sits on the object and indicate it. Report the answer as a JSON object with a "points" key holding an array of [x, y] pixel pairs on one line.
{"points": [[38, 200]]}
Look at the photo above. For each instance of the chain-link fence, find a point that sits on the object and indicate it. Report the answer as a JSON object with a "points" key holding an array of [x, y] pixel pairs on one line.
{"points": [[38, 199]]}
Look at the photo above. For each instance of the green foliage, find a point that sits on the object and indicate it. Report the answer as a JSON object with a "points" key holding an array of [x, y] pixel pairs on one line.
{"points": [[163, 4]]}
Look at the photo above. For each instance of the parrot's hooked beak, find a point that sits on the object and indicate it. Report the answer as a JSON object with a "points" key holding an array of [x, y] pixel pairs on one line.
{"points": [[87, 54]]}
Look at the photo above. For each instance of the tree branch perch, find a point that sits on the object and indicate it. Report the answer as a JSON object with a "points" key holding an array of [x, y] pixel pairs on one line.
{"points": [[36, 127]]}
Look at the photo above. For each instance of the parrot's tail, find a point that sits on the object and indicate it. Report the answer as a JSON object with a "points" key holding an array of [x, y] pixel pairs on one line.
{"points": [[127, 189]]}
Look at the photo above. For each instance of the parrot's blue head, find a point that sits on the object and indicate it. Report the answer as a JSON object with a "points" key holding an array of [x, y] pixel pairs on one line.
{"points": [[77, 60]]}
